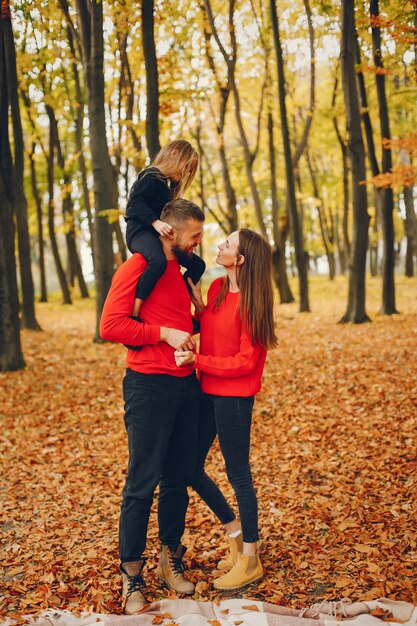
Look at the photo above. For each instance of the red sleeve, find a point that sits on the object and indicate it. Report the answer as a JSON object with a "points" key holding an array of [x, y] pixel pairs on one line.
{"points": [[239, 364], [116, 323]]}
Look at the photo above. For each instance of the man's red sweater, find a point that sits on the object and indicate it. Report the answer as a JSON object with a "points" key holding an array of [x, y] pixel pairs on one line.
{"points": [[168, 305], [228, 363]]}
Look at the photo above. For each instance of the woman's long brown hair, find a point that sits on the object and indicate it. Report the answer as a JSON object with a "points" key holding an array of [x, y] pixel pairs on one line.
{"points": [[256, 294]]}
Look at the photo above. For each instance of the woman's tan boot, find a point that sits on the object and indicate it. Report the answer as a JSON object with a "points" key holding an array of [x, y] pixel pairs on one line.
{"points": [[235, 546], [246, 570]]}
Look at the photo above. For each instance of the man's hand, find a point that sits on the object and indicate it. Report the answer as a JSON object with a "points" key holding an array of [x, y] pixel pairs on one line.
{"points": [[177, 339], [163, 228], [196, 297], [184, 357]]}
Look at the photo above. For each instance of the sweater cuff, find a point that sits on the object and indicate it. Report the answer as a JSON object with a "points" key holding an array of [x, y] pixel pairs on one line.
{"points": [[153, 335]]}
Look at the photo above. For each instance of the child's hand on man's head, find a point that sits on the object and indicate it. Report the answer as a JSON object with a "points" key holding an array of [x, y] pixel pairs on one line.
{"points": [[163, 228]]}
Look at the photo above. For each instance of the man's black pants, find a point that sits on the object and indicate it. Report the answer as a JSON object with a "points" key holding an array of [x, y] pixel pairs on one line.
{"points": [[161, 416]]}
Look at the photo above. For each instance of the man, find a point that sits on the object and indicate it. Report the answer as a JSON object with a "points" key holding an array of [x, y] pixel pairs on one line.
{"points": [[161, 404]]}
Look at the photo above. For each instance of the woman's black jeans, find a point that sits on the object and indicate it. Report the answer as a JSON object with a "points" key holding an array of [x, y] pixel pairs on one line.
{"points": [[161, 415], [230, 418]]}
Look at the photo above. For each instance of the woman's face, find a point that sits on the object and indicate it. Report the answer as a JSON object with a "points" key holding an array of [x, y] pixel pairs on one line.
{"points": [[228, 251]]}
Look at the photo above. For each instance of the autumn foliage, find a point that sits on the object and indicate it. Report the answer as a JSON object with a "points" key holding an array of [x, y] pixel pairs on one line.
{"points": [[334, 461]]}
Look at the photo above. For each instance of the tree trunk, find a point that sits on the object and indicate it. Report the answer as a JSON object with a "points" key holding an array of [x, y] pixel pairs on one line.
{"points": [[295, 224], [410, 231], [11, 357], [357, 271], [120, 241], [79, 123], [279, 261], [90, 14], [28, 293], [152, 89], [42, 275], [66, 296], [387, 200], [327, 233], [74, 264], [345, 250]]}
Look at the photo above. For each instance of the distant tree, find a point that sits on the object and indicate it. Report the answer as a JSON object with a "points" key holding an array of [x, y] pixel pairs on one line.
{"points": [[357, 269], [295, 222], [152, 87], [387, 200], [28, 293], [90, 20]]}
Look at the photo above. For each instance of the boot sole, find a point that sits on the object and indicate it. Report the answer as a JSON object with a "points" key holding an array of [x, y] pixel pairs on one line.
{"points": [[168, 586], [240, 586]]}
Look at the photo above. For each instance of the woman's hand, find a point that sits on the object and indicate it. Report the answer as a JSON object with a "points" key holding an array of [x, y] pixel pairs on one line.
{"points": [[184, 357], [196, 297], [177, 339]]}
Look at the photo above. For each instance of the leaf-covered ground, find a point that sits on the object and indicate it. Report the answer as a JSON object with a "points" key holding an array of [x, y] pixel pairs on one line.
{"points": [[333, 454]]}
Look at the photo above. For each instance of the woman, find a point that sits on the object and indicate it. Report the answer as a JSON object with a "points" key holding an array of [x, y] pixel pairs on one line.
{"points": [[237, 327]]}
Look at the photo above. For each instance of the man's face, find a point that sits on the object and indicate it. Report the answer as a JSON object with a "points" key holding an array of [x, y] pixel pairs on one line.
{"points": [[186, 238]]}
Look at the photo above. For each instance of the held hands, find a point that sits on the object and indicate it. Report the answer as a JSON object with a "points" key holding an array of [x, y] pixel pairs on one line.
{"points": [[163, 228], [178, 339], [184, 357], [196, 297]]}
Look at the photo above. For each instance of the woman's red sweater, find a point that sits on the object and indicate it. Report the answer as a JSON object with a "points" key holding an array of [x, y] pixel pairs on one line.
{"points": [[228, 363]]}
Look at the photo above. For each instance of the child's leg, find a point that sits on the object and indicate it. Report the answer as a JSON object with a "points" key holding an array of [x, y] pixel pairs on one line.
{"points": [[150, 248], [195, 269]]}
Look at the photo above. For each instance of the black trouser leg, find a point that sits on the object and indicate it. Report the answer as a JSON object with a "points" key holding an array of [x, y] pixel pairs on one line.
{"points": [[149, 246], [233, 422], [202, 483], [152, 409], [179, 465]]}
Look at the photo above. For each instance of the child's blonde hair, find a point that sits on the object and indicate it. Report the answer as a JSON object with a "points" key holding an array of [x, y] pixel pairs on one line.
{"points": [[178, 159]]}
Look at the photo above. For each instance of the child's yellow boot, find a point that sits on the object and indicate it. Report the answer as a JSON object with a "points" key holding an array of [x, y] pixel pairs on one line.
{"points": [[247, 569]]}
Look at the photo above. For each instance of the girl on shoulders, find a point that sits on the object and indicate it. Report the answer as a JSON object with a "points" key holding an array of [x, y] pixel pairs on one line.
{"points": [[169, 176]]}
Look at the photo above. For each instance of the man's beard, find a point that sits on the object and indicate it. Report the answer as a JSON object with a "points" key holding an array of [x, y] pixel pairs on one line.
{"points": [[182, 255]]}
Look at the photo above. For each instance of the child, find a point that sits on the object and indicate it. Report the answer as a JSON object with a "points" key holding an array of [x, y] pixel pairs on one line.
{"points": [[171, 173]]}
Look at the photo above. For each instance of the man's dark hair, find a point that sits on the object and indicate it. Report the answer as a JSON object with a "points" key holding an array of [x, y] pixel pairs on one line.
{"points": [[180, 211]]}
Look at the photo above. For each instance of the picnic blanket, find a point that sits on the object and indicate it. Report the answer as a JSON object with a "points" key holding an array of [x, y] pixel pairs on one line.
{"points": [[238, 612]]}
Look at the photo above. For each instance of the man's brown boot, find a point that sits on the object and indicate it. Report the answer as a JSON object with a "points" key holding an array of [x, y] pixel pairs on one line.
{"points": [[171, 568], [133, 588]]}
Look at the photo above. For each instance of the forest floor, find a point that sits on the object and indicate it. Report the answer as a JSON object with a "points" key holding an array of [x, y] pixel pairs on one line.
{"points": [[333, 457]]}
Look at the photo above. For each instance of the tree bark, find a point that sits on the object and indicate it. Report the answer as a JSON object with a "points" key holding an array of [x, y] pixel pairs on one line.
{"points": [[152, 88], [28, 292], [295, 224], [11, 357], [387, 194], [39, 215], [357, 271], [90, 16]]}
